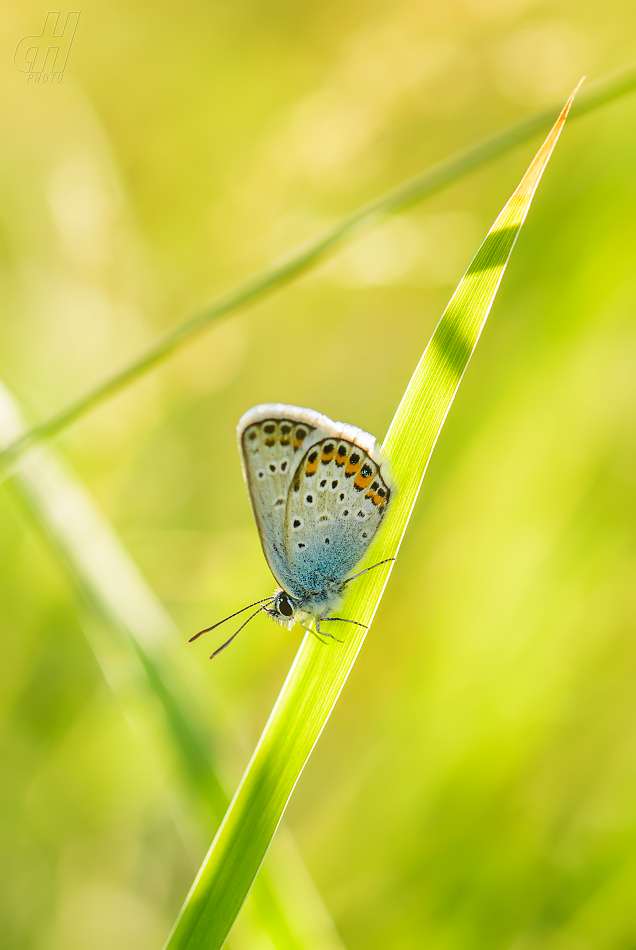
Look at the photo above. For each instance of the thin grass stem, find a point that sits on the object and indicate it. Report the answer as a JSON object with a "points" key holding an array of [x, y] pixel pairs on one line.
{"points": [[311, 252], [318, 675]]}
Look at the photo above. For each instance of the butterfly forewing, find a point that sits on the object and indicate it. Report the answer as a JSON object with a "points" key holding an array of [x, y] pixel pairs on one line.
{"points": [[271, 443]]}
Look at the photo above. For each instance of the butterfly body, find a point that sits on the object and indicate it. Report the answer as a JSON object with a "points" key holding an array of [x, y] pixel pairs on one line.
{"points": [[319, 491], [312, 605]]}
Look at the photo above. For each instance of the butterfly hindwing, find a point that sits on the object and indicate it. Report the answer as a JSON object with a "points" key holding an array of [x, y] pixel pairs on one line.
{"points": [[337, 500]]}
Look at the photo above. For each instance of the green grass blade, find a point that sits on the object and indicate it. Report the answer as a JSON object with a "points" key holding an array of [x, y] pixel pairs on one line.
{"points": [[319, 672], [157, 683], [300, 259]]}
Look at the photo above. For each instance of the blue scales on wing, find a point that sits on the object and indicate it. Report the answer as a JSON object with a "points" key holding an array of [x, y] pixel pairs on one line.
{"points": [[272, 440], [337, 500]]}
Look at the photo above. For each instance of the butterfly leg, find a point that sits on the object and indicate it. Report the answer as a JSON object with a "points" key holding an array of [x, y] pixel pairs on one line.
{"points": [[324, 632], [314, 632], [344, 620], [379, 564]]}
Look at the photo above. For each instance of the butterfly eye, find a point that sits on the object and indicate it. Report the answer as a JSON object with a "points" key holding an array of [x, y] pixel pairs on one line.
{"points": [[284, 606]]}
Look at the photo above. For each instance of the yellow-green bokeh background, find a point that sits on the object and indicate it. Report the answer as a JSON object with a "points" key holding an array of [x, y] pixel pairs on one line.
{"points": [[476, 784]]}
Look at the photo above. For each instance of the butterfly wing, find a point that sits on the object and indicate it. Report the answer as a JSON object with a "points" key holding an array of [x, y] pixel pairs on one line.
{"points": [[272, 438], [337, 500], [319, 490]]}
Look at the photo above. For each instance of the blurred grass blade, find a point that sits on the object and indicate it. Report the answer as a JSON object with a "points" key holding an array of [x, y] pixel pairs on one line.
{"points": [[318, 672], [300, 259], [157, 683]]}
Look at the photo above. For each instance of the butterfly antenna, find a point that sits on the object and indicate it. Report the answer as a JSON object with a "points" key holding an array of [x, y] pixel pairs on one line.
{"points": [[227, 642], [385, 561], [264, 600]]}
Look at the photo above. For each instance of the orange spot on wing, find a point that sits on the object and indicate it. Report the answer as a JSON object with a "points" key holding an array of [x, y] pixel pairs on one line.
{"points": [[311, 467], [350, 469], [326, 456], [362, 482], [299, 437]]}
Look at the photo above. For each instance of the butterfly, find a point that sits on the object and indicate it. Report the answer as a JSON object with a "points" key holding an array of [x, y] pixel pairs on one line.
{"points": [[319, 492]]}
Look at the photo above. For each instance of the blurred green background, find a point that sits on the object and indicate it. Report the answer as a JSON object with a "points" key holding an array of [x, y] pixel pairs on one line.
{"points": [[476, 784]]}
